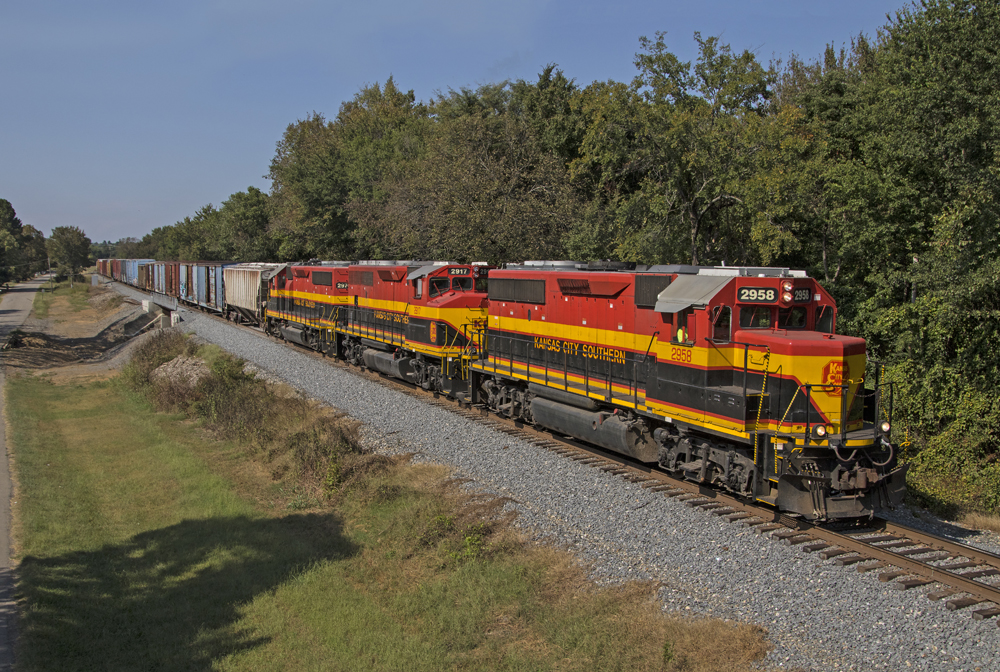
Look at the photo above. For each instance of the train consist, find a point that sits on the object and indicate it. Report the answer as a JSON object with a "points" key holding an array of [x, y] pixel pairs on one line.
{"points": [[732, 377]]}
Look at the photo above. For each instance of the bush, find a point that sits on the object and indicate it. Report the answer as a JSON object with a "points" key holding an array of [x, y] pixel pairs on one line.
{"points": [[295, 437]]}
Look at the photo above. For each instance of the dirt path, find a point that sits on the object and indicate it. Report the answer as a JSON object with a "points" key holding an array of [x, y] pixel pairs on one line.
{"points": [[14, 311]]}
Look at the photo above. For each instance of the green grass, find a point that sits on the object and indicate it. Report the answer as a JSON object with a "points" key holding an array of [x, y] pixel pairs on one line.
{"points": [[146, 545], [77, 296]]}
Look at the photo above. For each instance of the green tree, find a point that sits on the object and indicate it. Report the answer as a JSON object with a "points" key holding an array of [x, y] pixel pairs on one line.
{"points": [[243, 222], [671, 155], [10, 230], [484, 191], [69, 250]]}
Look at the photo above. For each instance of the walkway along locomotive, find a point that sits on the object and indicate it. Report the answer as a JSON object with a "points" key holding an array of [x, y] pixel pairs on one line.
{"points": [[726, 376]]}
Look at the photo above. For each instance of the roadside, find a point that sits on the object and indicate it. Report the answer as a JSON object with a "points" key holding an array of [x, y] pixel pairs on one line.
{"points": [[14, 310]]}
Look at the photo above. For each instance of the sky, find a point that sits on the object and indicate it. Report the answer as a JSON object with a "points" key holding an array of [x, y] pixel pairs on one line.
{"points": [[119, 117]]}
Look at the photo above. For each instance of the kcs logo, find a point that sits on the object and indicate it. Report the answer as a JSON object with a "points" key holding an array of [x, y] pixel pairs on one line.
{"points": [[835, 374]]}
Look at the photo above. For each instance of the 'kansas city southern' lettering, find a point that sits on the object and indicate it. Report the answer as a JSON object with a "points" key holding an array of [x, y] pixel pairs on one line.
{"points": [[584, 349]]}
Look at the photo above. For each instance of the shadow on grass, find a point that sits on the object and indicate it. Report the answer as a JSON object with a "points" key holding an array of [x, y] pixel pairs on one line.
{"points": [[167, 599]]}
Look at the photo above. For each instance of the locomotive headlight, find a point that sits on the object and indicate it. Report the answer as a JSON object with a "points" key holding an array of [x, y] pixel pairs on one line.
{"points": [[787, 297], [819, 431], [885, 426], [786, 285]]}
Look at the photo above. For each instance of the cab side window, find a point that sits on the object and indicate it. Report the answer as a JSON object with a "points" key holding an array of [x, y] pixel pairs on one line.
{"points": [[418, 288], [685, 327], [722, 324], [461, 284]]}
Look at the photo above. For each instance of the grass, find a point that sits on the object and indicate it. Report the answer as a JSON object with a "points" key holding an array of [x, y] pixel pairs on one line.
{"points": [[145, 543], [982, 521], [77, 296]]}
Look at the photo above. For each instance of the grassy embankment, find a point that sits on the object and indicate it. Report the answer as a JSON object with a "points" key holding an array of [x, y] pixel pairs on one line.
{"points": [[220, 536], [77, 296]]}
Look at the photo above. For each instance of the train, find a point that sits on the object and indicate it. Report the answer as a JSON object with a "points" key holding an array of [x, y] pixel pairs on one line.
{"points": [[731, 377]]}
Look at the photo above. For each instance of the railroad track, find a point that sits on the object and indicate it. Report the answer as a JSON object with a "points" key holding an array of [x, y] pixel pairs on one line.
{"points": [[905, 558]]}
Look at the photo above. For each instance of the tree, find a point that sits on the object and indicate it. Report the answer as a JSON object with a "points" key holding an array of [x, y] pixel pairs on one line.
{"points": [[10, 229], [484, 191], [243, 225], [69, 250]]}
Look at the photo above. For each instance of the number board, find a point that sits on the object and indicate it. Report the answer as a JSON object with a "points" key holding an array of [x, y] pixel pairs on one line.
{"points": [[341, 285], [458, 271], [802, 295], [757, 295]]}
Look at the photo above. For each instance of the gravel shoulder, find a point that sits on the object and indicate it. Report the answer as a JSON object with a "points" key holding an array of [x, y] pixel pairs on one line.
{"points": [[819, 616]]}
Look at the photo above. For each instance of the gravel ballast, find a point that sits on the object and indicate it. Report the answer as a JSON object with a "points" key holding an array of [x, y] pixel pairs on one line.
{"points": [[819, 616]]}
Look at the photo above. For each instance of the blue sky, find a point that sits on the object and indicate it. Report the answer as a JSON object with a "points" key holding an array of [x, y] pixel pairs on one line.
{"points": [[119, 117]]}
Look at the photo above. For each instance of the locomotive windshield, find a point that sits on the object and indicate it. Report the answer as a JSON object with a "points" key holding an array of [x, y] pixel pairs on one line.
{"points": [[461, 284], [792, 318], [757, 317], [438, 287], [824, 319]]}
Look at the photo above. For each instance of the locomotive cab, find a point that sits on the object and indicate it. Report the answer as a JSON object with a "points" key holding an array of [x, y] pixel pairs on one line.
{"points": [[416, 321]]}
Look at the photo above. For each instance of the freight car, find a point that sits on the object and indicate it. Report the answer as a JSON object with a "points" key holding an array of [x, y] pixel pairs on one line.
{"points": [[247, 288], [726, 376]]}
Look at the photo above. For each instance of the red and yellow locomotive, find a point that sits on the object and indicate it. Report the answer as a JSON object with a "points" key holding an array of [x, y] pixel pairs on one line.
{"points": [[729, 376], [416, 321]]}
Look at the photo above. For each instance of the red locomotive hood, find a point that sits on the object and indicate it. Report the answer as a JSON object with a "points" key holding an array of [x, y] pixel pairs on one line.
{"points": [[803, 343]]}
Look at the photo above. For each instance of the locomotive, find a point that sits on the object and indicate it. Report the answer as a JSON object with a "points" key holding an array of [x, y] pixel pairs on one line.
{"points": [[728, 376]]}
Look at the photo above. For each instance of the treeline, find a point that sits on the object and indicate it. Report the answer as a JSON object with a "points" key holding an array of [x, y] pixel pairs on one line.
{"points": [[22, 246], [874, 167]]}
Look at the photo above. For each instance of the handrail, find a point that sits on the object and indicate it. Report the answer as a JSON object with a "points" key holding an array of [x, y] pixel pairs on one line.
{"points": [[844, 411]]}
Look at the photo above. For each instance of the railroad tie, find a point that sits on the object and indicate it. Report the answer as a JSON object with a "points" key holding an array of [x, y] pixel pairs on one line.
{"points": [[983, 614], [686, 496], [786, 534], [873, 566], [739, 515], [963, 602], [981, 573], [768, 527], [906, 584], [886, 577], [874, 540], [960, 565], [796, 540], [833, 553], [812, 548], [942, 594], [851, 560], [919, 550]]}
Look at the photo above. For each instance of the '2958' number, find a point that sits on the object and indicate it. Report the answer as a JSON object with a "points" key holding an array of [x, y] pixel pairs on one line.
{"points": [[758, 295], [680, 354]]}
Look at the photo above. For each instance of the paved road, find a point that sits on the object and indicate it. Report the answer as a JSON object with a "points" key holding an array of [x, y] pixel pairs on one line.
{"points": [[14, 311]]}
